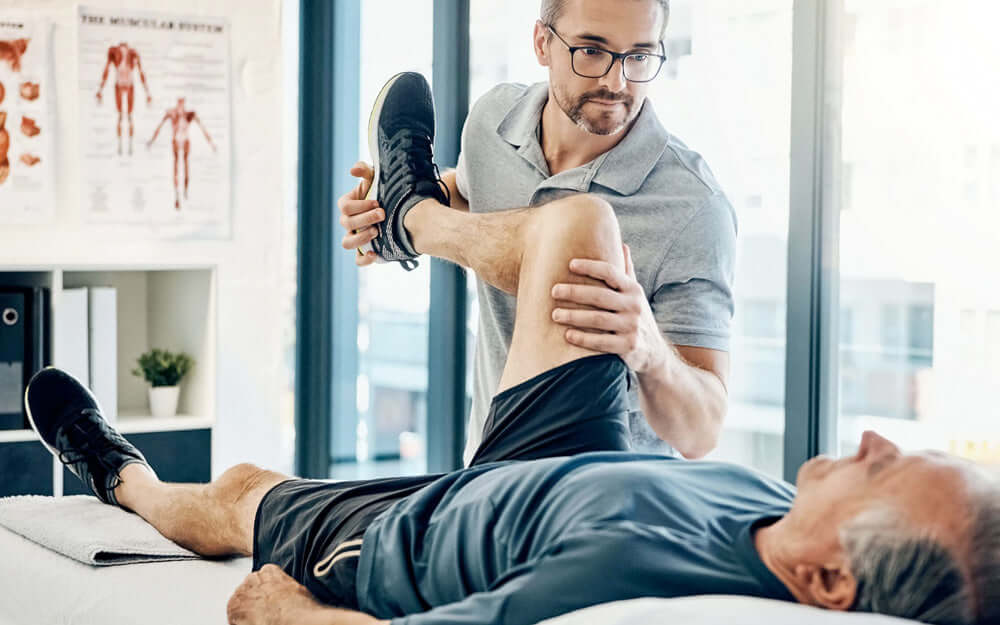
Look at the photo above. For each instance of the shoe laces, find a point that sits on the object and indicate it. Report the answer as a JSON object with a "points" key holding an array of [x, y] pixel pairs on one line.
{"points": [[98, 438], [413, 148]]}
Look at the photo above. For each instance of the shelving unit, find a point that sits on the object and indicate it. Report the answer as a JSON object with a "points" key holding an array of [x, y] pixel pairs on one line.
{"points": [[167, 306]]}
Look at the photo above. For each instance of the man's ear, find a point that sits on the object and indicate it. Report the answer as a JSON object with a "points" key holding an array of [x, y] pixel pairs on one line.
{"points": [[539, 42], [830, 586]]}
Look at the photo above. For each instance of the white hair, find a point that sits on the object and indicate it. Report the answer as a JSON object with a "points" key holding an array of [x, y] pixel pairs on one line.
{"points": [[910, 574]]}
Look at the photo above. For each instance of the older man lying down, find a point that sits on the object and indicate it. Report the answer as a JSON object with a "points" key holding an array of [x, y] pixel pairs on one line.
{"points": [[554, 513]]}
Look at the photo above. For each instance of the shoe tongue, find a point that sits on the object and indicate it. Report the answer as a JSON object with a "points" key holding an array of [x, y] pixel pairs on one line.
{"points": [[429, 188]]}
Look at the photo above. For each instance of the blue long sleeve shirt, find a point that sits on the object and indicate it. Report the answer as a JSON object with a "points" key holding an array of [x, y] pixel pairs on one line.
{"points": [[521, 541]]}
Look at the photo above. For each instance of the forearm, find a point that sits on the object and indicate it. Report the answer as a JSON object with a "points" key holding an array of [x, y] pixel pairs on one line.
{"points": [[684, 404]]}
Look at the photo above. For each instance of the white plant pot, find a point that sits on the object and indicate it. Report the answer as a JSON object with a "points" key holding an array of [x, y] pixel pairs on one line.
{"points": [[163, 400]]}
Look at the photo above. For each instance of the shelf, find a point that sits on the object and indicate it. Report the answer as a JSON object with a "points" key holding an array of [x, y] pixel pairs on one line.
{"points": [[13, 436], [131, 424], [128, 424]]}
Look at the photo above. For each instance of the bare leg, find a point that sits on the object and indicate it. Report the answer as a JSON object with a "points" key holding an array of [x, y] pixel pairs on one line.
{"points": [[118, 105], [177, 196], [213, 519], [524, 252], [187, 150], [131, 123]]}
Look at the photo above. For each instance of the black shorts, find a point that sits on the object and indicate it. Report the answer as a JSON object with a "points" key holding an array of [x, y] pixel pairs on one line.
{"points": [[313, 529]]}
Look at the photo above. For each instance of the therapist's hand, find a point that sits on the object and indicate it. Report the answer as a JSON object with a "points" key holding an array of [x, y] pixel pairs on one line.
{"points": [[359, 216], [625, 326]]}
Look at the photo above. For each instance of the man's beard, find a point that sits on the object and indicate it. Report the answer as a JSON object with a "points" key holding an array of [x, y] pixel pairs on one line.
{"points": [[605, 122]]}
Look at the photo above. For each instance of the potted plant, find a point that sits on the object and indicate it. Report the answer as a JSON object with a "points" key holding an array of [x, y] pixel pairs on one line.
{"points": [[164, 372]]}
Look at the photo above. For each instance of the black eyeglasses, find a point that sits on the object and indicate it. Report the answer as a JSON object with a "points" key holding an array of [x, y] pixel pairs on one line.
{"points": [[594, 62]]}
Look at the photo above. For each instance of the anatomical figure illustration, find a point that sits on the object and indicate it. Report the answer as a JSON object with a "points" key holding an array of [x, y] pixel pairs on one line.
{"points": [[126, 61], [29, 127], [11, 52], [180, 120], [30, 159], [4, 146], [29, 91]]}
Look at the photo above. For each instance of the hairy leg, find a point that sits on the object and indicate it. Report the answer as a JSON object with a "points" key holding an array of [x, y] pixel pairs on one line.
{"points": [[491, 244], [524, 252], [213, 519]]}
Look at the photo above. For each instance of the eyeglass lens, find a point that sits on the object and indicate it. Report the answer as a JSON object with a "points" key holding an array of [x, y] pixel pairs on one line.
{"points": [[594, 63]]}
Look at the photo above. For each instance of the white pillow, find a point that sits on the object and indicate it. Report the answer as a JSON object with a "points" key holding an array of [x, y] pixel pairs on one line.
{"points": [[715, 610]]}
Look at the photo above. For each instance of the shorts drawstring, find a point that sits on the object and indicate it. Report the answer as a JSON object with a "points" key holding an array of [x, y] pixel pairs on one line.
{"points": [[339, 552]]}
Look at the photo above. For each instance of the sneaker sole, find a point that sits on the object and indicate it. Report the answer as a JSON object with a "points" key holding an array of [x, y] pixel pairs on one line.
{"points": [[373, 150]]}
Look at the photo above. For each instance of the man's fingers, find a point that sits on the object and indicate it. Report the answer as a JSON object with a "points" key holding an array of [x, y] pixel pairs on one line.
{"points": [[362, 220], [349, 206], [362, 170], [597, 296], [365, 260], [353, 241], [592, 319], [607, 343], [600, 270]]}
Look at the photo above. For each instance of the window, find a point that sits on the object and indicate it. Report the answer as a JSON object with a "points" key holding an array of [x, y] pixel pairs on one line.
{"points": [[389, 435], [726, 53], [721, 53], [920, 251]]}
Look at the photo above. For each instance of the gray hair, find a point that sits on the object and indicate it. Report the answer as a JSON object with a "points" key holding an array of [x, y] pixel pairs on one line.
{"points": [[912, 575], [552, 10]]}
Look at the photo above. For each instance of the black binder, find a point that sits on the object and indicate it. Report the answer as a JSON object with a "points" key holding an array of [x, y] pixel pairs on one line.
{"points": [[24, 348]]}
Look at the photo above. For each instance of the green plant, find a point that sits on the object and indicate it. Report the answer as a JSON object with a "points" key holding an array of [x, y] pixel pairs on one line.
{"points": [[162, 368]]}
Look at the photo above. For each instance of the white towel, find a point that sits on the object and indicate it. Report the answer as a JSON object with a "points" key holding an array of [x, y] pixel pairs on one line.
{"points": [[84, 528]]}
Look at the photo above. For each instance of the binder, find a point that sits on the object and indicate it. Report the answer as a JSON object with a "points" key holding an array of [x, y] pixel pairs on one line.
{"points": [[13, 340], [103, 326], [72, 335]]}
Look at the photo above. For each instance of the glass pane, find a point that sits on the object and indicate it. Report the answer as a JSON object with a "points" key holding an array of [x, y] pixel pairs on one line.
{"points": [[289, 225], [916, 176], [726, 93], [393, 304]]}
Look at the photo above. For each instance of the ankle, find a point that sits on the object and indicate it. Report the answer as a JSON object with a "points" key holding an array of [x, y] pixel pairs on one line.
{"points": [[416, 221], [136, 478]]}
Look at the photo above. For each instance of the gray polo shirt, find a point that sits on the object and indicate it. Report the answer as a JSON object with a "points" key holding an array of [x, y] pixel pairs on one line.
{"points": [[673, 215]]}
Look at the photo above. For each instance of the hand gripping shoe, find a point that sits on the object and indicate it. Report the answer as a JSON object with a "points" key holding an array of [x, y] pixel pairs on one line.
{"points": [[67, 418], [401, 139]]}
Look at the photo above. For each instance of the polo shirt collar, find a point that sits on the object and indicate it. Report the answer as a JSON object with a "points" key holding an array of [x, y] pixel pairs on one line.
{"points": [[623, 168]]}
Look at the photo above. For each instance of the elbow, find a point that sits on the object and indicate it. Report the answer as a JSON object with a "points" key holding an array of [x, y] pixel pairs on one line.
{"points": [[699, 446], [702, 438]]}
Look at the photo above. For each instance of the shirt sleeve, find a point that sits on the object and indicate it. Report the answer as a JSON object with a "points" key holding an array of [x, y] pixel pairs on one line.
{"points": [[693, 300], [461, 168], [579, 572]]}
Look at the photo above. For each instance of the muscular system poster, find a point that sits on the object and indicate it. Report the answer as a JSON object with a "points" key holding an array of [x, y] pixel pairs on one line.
{"points": [[155, 120], [27, 187]]}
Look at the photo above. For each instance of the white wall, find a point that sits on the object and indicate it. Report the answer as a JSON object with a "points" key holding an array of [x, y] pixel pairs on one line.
{"points": [[253, 288]]}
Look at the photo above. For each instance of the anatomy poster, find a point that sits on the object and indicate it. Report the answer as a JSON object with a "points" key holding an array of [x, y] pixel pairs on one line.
{"points": [[27, 182], [155, 120]]}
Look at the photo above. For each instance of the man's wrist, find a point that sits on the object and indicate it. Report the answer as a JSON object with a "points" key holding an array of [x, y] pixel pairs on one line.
{"points": [[659, 364]]}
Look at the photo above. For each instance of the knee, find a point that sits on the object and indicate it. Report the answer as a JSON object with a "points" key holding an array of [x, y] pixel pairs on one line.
{"points": [[584, 223], [238, 481]]}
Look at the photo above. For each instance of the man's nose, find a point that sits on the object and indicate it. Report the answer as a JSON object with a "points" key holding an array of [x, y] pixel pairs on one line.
{"points": [[614, 80], [877, 446]]}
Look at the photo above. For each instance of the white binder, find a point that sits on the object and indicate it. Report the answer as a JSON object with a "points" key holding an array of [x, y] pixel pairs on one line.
{"points": [[103, 322], [72, 334]]}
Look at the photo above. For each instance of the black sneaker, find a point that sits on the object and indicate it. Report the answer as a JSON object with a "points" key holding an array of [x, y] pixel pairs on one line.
{"points": [[401, 140], [67, 418]]}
